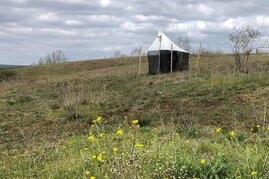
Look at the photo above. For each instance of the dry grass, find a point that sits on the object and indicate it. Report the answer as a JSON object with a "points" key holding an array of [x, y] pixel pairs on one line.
{"points": [[48, 104]]}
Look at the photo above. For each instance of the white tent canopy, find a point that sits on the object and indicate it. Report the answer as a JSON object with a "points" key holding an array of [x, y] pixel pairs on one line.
{"points": [[162, 42]]}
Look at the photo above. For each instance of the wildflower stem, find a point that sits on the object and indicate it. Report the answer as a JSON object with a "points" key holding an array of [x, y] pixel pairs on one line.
{"points": [[134, 140]]}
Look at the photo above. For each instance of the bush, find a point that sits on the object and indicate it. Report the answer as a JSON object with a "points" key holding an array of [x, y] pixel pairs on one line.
{"points": [[6, 75], [53, 57], [21, 100]]}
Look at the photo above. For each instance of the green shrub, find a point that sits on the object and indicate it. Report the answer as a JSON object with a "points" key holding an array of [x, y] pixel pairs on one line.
{"points": [[21, 100], [6, 75]]}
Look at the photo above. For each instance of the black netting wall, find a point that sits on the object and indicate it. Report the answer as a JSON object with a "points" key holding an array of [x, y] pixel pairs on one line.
{"points": [[153, 62], [180, 61], [165, 61]]}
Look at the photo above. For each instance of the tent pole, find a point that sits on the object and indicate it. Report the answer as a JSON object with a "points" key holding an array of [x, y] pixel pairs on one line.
{"points": [[159, 60], [181, 61], [139, 68], [160, 54], [171, 61], [198, 56]]}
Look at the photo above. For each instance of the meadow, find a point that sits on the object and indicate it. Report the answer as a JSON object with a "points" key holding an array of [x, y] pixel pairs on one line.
{"points": [[99, 119]]}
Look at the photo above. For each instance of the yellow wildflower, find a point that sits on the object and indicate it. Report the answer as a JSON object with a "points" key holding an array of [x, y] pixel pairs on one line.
{"points": [[87, 172], [99, 119], [258, 126], [101, 135], [135, 121], [120, 132], [139, 145], [92, 177], [100, 157], [219, 130], [203, 162], [268, 128], [187, 142], [232, 134], [94, 157], [254, 173], [115, 149], [177, 134], [91, 137]]}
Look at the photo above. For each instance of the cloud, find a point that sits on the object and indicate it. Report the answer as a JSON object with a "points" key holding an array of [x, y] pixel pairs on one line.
{"points": [[105, 3], [70, 22], [262, 21], [135, 27], [91, 29], [48, 17], [57, 32]]}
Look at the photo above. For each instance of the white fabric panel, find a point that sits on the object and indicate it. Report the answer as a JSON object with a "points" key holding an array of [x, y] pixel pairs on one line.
{"points": [[162, 42]]}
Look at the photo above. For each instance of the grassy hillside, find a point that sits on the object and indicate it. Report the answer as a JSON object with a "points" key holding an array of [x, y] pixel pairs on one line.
{"points": [[47, 113]]}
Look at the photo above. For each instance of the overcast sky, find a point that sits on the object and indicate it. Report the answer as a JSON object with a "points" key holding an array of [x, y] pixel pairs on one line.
{"points": [[88, 29]]}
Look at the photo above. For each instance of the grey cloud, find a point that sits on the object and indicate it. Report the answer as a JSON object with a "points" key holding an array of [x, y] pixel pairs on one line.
{"points": [[90, 29]]}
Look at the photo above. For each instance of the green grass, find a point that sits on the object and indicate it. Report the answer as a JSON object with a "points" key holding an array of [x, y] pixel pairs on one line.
{"points": [[46, 113]]}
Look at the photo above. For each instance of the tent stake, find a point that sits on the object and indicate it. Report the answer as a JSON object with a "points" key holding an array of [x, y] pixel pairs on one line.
{"points": [[171, 61], [139, 68]]}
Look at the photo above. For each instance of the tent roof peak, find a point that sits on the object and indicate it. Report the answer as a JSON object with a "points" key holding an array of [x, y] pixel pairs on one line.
{"points": [[162, 42]]}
